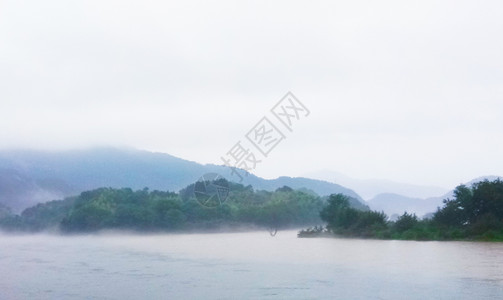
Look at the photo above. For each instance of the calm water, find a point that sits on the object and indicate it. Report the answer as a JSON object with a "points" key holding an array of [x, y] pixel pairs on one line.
{"points": [[245, 266]]}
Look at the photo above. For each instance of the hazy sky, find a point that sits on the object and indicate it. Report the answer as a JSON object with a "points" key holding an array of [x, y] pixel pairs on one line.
{"points": [[405, 90]]}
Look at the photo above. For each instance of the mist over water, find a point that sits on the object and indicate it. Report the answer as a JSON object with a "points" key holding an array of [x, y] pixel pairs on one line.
{"points": [[250, 265]]}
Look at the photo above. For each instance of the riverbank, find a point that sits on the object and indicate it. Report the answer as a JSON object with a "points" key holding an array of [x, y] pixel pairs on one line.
{"points": [[319, 232]]}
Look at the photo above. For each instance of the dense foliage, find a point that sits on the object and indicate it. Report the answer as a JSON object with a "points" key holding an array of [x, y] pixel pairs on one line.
{"points": [[343, 219], [475, 213], [144, 210]]}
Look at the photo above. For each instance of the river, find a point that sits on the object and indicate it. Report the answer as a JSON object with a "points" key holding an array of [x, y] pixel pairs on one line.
{"points": [[251, 265]]}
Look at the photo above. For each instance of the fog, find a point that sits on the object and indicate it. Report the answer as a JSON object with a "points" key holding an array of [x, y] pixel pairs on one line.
{"points": [[397, 96], [409, 92]]}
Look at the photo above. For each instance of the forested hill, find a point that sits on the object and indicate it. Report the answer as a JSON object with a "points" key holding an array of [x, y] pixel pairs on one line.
{"points": [[30, 177], [144, 210]]}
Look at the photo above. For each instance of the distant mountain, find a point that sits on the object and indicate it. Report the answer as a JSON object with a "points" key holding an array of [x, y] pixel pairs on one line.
{"points": [[28, 177], [397, 204], [369, 188]]}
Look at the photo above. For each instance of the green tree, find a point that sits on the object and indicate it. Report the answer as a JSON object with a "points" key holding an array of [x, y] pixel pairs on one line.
{"points": [[405, 222], [338, 214]]}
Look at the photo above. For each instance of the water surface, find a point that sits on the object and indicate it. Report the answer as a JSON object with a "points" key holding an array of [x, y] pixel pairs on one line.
{"points": [[245, 266]]}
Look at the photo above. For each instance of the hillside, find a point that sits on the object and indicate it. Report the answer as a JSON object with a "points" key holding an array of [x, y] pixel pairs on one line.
{"points": [[28, 177]]}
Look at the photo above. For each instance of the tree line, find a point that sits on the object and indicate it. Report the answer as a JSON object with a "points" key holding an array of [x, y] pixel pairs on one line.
{"points": [[145, 210], [474, 213]]}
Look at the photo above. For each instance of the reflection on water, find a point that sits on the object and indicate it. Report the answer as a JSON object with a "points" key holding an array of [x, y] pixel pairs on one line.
{"points": [[245, 266]]}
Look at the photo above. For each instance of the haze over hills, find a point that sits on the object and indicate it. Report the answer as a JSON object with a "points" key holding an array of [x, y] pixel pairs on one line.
{"points": [[398, 204], [394, 197], [369, 188], [28, 177], [392, 203]]}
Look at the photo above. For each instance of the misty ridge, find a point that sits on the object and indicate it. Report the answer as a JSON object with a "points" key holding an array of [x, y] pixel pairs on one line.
{"points": [[126, 189], [29, 177], [108, 188]]}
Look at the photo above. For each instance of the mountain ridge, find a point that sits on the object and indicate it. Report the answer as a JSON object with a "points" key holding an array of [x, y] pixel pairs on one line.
{"points": [[51, 175]]}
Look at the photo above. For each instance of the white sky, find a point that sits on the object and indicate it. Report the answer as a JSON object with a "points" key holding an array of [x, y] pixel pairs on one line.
{"points": [[404, 90]]}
